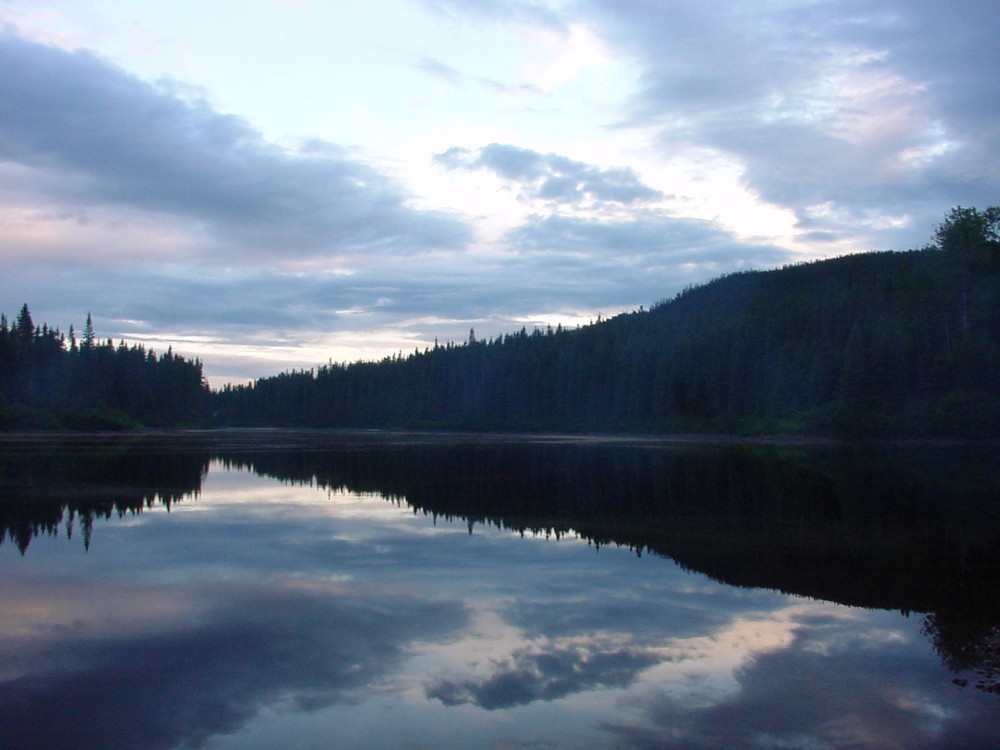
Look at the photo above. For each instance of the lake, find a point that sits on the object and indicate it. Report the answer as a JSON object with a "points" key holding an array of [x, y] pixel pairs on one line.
{"points": [[311, 590]]}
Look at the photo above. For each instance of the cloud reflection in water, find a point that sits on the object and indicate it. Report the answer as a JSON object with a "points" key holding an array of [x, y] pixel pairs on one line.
{"points": [[210, 668], [840, 682], [262, 610]]}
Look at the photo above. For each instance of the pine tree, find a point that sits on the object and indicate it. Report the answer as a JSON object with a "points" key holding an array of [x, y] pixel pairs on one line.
{"points": [[88, 334], [24, 328]]}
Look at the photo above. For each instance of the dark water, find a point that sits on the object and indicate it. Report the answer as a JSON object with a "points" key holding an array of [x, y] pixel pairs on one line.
{"points": [[322, 590]]}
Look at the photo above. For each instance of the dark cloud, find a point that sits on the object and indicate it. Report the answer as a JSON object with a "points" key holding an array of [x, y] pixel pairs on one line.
{"points": [[242, 305], [94, 134], [562, 263], [551, 176], [654, 240], [547, 675]]}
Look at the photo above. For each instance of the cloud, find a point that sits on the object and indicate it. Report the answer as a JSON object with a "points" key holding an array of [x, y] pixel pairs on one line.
{"points": [[91, 135], [554, 264], [551, 177], [864, 120], [605, 263], [668, 239], [453, 76], [875, 110], [546, 675], [517, 11], [434, 67]]}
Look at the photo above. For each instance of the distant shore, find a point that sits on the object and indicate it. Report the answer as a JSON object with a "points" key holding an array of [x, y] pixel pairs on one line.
{"points": [[313, 436]]}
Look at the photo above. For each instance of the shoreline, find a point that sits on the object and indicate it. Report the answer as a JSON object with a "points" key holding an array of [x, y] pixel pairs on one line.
{"points": [[442, 437]]}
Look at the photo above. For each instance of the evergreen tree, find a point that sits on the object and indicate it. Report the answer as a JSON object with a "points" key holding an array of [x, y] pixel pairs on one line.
{"points": [[88, 334], [972, 236], [45, 383], [24, 328]]}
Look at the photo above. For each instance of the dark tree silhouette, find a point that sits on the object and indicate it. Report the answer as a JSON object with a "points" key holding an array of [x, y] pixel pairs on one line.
{"points": [[967, 645], [47, 383], [972, 235]]}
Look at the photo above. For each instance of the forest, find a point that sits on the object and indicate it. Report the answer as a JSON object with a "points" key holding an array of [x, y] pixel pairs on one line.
{"points": [[50, 380], [871, 344]]}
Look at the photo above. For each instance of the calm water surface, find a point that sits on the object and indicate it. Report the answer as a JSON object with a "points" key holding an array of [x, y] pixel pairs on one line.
{"points": [[310, 591]]}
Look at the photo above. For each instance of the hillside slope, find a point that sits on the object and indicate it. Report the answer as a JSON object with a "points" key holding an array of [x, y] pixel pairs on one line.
{"points": [[882, 343]]}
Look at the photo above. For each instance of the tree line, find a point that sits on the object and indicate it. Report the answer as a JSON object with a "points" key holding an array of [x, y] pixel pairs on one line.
{"points": [[879, 343], [50, 380]]}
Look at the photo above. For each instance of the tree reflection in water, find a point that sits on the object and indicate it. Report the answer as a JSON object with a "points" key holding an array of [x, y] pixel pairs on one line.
{"points": [[967, 644], [912, 528]]}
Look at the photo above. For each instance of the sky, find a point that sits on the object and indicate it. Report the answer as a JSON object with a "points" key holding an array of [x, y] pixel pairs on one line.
{"points": [[276, 184]]}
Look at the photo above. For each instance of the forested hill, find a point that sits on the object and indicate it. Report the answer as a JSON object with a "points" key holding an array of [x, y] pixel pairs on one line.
{"points": [[886, 343]]}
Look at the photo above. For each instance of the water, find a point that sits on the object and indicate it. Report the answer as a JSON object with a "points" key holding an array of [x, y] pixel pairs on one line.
{"points": [[324, 590]]}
